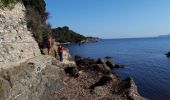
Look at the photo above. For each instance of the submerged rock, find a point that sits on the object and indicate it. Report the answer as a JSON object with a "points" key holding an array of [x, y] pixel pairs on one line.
{"points": [[119, 66], [108, 57]]}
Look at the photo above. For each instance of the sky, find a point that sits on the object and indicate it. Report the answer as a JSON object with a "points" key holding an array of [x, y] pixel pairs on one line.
{"points": [[111, 18]]}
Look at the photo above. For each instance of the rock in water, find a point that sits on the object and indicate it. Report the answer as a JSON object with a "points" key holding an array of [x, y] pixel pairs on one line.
{"points": [[100, 61], [110, 64], [119, 66], [168, 54], [108, 57], [16, 42]]}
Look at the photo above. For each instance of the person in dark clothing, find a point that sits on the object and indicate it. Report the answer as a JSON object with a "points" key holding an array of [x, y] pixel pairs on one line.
{"points": [[49, 45], [60, 52]]}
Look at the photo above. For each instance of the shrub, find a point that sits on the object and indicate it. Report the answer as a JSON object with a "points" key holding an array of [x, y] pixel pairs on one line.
{"points": [[7, 3], [36, 17]]}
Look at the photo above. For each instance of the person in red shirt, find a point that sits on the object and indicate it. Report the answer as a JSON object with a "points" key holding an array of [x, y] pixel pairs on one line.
{"points": [[60, 52]]}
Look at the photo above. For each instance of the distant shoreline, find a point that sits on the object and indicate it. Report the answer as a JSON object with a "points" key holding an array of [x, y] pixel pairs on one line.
{"points": [[134, 38], [66, 43], [82, 42]]}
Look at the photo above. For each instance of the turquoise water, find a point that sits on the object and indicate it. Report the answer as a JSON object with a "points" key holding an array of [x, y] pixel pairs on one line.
{"points": [[143, 58]]}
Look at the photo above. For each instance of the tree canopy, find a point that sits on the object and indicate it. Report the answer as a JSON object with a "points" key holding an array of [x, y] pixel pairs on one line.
{"points": [[64, 34]]}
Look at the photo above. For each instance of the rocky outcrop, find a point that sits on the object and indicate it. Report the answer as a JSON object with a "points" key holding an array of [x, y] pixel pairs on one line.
{"points": [[168, 54], [89, 81], [16, 41], [41, 78], [36, 79]]}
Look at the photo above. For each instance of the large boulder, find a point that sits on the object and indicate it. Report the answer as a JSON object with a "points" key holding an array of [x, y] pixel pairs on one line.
{"points": [[84, 63], [36, 79], [111, 65], [72, 71], [16, 41]]}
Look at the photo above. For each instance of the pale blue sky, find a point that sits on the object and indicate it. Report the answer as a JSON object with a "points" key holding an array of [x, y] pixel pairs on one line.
{"points": [[112, 18]]}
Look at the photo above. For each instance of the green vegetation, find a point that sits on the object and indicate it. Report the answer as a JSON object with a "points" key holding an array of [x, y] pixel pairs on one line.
{"points": [[36, 19], [64, 34], [6, 3]]}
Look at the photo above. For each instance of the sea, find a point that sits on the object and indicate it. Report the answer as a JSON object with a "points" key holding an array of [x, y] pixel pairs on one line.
{"points": [[144, 59]]}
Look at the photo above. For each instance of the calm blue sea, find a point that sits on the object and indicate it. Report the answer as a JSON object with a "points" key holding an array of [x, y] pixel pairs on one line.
{"points": [[144, 60]]}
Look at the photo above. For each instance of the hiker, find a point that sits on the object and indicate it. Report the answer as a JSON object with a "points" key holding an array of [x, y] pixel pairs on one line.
{"points": [[60, 52], [49, 45]]}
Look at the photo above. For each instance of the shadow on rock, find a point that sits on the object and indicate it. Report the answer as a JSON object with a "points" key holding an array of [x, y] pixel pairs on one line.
{"points": [[103, 81], [72, 71]]}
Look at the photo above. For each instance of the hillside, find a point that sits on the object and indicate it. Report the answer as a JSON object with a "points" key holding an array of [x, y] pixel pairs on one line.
{"points": [[64, 34]]}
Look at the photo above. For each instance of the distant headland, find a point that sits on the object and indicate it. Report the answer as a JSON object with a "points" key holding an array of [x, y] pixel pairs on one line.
{"points": [[66, 35], [168, 35]]}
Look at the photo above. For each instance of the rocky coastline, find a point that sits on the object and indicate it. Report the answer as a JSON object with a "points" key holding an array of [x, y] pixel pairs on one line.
{"points": [[26, 74], [45, 78], [91, 79]]}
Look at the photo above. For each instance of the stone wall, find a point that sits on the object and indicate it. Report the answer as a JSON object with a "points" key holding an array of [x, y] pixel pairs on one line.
{"points": [[16, 41]]}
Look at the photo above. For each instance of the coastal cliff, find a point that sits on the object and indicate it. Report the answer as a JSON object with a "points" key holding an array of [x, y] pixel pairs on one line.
{"points": [[16, 41], [26, 74]]}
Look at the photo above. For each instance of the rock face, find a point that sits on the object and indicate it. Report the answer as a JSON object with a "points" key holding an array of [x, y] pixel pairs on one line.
{"points": [[36, 79], [16, 42]]}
